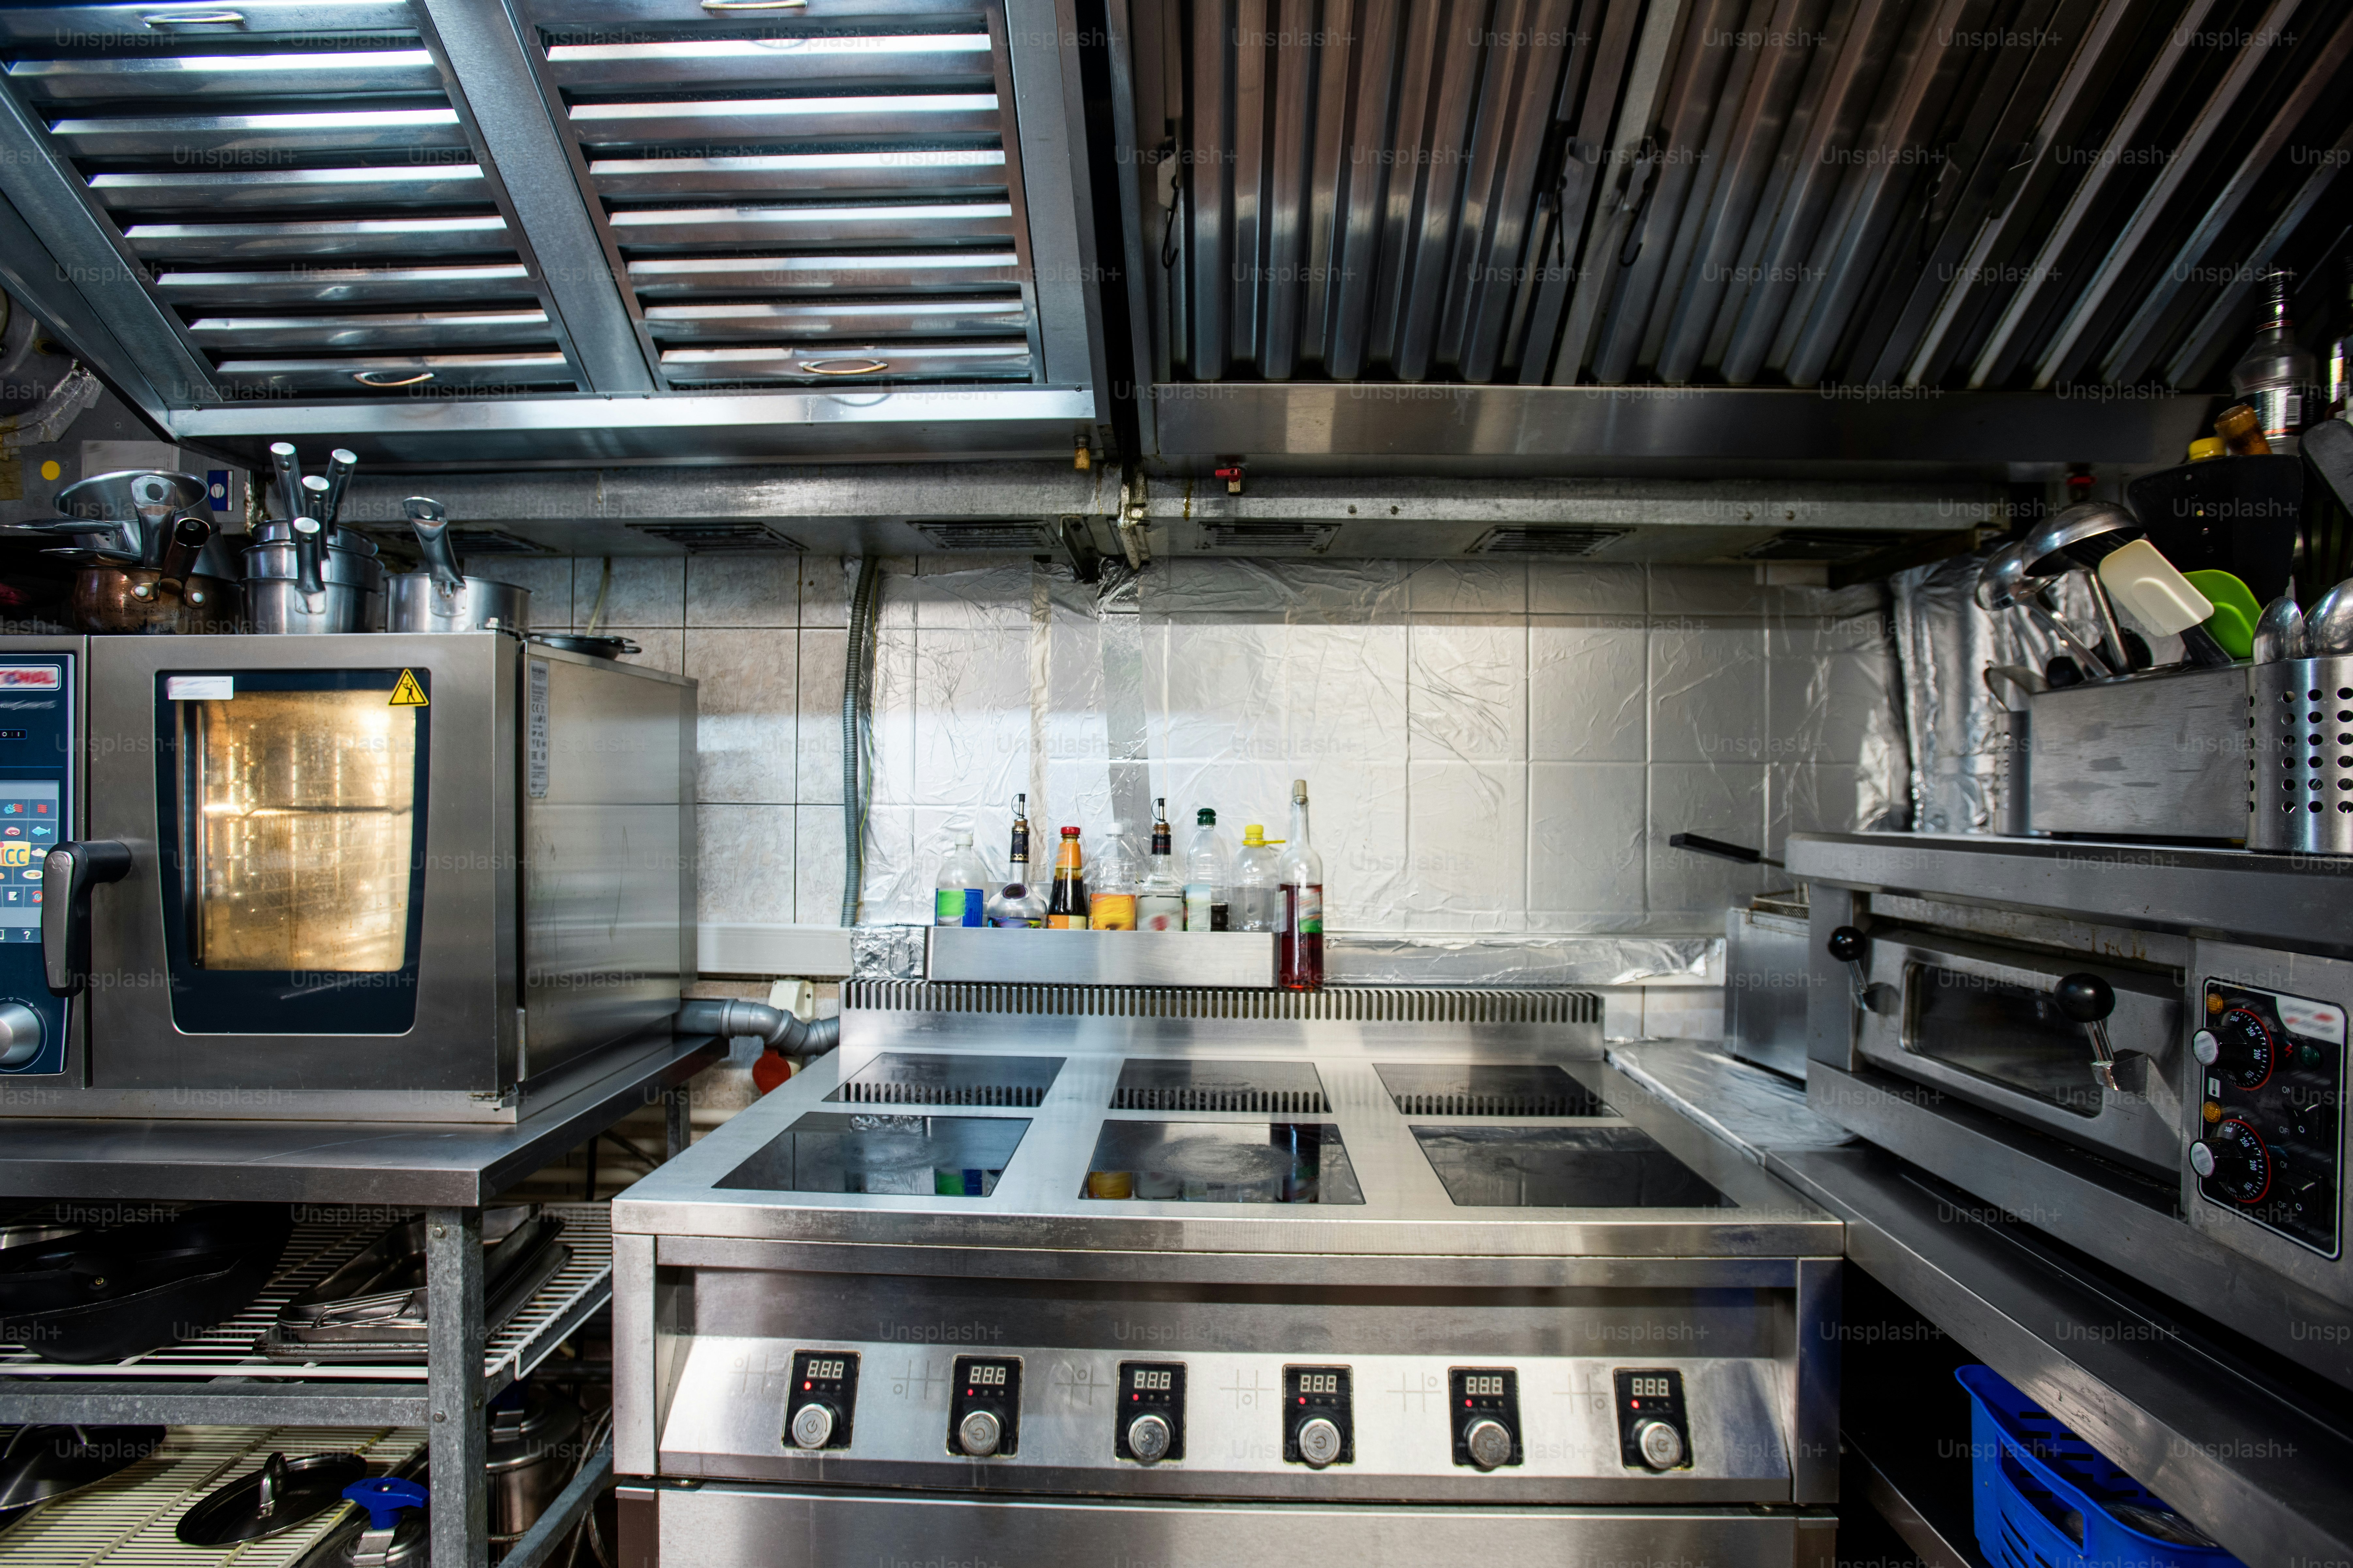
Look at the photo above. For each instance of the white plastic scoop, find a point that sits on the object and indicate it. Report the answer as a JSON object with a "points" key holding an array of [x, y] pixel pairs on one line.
{"points": [[2139, 577]]}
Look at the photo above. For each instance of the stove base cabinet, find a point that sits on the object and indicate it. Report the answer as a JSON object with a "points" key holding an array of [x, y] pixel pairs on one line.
{"points": [[721, 1525]]}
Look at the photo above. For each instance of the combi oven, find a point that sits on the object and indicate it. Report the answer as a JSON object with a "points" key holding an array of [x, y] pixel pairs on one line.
{"points": [[417, 878]]}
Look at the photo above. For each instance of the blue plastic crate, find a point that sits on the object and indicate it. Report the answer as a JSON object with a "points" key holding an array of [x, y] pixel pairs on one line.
{"points": [[2046, 1498]]}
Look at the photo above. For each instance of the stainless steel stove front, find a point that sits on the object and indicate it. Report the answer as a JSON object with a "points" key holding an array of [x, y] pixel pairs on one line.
{"points": [[1390, 1291]]}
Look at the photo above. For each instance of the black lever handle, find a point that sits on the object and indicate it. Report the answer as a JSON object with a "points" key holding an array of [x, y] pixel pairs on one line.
{"points": [[1699, 844], [1847, 945], [2084, 997], [68, 873]]}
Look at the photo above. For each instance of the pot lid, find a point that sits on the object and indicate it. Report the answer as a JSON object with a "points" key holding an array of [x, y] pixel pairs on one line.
{"points": [[278, 1497], [45, 1462]]}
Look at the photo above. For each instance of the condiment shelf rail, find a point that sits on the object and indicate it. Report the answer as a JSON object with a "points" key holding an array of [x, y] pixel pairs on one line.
{"points": [[218, 1376]]}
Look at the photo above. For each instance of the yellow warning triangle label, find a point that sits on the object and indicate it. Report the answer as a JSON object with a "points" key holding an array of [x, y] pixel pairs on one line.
{"points": [[407, 692]]}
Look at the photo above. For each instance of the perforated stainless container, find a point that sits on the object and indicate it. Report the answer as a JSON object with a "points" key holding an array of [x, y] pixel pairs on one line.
{"points": [[2300, 756]]}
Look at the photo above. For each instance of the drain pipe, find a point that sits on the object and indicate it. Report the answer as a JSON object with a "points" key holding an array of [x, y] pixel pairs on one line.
{"points": [[727, 1017]]}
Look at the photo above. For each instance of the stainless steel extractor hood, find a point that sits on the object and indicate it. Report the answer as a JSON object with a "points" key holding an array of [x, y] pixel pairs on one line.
{"points": [[1426, 230], [552, 230]]}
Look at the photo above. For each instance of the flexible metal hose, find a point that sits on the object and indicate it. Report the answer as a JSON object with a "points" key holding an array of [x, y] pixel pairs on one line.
{"points": [[856, 732]]}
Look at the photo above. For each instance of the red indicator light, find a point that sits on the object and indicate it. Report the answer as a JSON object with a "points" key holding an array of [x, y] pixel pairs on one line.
{"points": [[806, 1386], [1466, 1405], [1302, 1399]]}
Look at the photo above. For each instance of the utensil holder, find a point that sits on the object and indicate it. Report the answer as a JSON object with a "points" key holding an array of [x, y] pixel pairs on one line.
{"points": [[2300, 756]]}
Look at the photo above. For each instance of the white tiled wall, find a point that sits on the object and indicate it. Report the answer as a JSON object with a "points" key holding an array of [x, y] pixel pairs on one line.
{"points": [[1492, 746]]}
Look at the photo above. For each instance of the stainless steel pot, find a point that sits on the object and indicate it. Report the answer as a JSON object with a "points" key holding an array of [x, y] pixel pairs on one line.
{"points": [[418, 603], [350, 593], [131, 599], [532, 1455]]}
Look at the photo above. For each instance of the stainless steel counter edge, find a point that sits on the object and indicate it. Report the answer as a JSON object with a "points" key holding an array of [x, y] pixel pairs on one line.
{"points": [[1459, 1271], [2019, 1172], [2268, 1486], [2303, 902], [415, 1164]]}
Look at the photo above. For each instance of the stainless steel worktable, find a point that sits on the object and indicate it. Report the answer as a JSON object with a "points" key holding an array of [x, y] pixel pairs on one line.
{"points": [[2262, 1475], [415, 1164]]}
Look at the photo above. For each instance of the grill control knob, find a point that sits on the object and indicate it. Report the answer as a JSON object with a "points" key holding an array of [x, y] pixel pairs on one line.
{"points": [[20, 1034], [1661, 1445], [812, 1426], [1319, 1441], [1489, 1442], [979, 1433], [1148, 1437]]}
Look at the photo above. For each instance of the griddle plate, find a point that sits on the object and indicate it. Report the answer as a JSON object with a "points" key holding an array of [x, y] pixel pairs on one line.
{"points": [[831, 1152], [1222, 1162], [917, 1077], [1262, 1089], [1561, 1168], [1486, 1089]]}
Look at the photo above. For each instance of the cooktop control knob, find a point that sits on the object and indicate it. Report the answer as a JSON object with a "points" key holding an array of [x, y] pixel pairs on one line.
{"points": [[1319, 1441], [1662, 1445], [1319, 1416], [1489, 1442], [979, 1434], [985, 1408], [812, 1424], [823, 1399], [1148, 1437]]}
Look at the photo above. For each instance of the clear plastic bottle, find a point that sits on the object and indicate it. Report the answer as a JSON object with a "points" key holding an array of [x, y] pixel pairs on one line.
{"points": [[961, 892], [1020, 902], [1299, 951], [1256, 901], [1111, 889], [1206, 886], [1160, 897], [2276, 376]]}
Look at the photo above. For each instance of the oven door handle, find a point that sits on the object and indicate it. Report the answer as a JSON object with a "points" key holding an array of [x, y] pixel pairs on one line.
{"points": [[68, 873]]}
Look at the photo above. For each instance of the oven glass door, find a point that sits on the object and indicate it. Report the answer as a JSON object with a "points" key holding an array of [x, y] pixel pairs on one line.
{"points": [[290, 809], [2000, 1030]]}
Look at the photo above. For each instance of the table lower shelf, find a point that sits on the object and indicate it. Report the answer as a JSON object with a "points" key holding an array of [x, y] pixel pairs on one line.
{"points": [[216, 1376]]}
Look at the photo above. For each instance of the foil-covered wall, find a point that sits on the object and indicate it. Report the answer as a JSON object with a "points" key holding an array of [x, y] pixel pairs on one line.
{"points": [[1497, 751]]}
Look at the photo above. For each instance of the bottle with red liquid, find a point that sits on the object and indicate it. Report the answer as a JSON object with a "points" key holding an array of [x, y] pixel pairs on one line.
{"points": [[1299, 940]]}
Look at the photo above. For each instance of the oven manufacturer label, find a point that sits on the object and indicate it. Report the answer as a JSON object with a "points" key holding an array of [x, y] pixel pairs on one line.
{"points": [[199, 688], [536, 725]]}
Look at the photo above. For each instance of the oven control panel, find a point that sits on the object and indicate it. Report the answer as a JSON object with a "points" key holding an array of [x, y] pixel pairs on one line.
{"points": [[823, 1402], [1231, 1423], [36, 757], [985, 1406], [2270, 1142]]}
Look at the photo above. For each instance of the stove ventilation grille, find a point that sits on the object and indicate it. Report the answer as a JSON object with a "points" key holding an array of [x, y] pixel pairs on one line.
{"points": [[1493, 1104], [1343, 1003], [941, 1093], [1255, 1101]]}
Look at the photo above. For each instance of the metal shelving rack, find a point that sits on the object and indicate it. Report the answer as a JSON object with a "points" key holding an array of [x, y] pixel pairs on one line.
{"points": [[450, 1174]]}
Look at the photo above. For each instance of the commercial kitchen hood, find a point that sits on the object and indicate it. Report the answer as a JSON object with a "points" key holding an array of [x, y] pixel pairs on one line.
{"points": [[561, 230], [1484, 238], [1531, 229]]}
